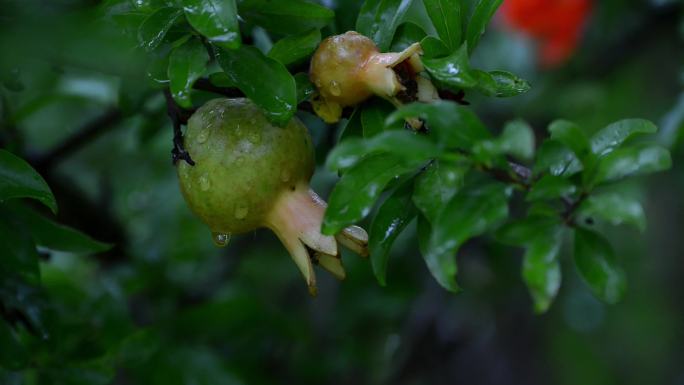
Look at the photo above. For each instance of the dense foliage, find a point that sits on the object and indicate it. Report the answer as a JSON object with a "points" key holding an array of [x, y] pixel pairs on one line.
{"points": [[139, 295]]}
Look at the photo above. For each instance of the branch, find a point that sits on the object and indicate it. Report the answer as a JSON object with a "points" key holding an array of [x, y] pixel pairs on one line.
{"points": [[83, 136], [178, 117]]}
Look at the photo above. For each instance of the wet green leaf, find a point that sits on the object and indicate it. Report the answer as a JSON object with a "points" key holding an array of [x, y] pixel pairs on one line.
{"points": [[446, 18], [378, 19], [453, 71], [571, 136], [471, 212], [517, 139], [187, 63], [433, 48], [631, 161], [454, 125], [391, 219], [304, 87], [435, 187], [353, 127], [216, 20], [598, 266], [265, 81], [614, 208], [615, 134], [373, 116], [410, 147], [407, 34], [55, 236], [541, 268], [551, 187], [523, 231], [557, 159], [508, 84], [19, 180], [358, 189], [296, 48], [155, 27], [483, 13], [285, 17]]}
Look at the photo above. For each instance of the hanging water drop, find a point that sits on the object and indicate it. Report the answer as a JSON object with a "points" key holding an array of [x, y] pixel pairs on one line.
{"points": [[285, 176], [220, 239]]}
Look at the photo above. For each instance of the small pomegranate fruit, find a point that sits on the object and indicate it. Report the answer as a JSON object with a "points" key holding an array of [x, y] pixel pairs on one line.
{"points": [[250, 174], [347, 69]]}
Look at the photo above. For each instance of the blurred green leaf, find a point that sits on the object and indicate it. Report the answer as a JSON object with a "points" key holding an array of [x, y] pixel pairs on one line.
{"points": [[285, 17], [187, 63], [216, 20], [155, 27], [446, 17], [19, 255], [629, 161], [304, 87], [557, 159], [571, 136], [517, 139], [541, 268], [455, 126], [405, 35], [353, 127], [550, 187], [508, 84], [378, 19], [598, 266], [483, 13], [19, 180], [391, 219], [614, 208], [296, 48], [453, 71], [471, 212], [523, 231], [264, 80], [55, 236], [612, 136], [373, 116], [359, 188], [13, 355], [435, 186], [410, 147]]}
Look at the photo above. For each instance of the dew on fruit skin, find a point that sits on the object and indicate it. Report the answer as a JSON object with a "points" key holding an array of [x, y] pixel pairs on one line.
{"points": [[285, 176], [204, 182], [241, 210], [334, 88], [254, 137], [202, 136], [220, 239]]}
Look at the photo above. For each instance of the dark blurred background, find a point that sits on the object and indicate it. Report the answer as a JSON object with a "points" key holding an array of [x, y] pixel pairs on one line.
{"points": [[165, 306]]}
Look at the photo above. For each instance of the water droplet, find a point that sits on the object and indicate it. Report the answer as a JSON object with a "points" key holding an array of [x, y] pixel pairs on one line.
{"points": [[334, 88], [202, 136], [252, 121], [241, 210], [220, 239], [204, 182], [285, 175]]}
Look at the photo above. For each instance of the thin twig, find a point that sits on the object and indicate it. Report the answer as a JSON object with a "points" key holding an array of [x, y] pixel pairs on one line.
{"points": [[178, 117]]}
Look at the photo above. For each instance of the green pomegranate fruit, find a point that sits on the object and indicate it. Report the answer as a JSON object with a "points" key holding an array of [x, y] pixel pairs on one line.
{"points": [[250, 174], [348, 68]]}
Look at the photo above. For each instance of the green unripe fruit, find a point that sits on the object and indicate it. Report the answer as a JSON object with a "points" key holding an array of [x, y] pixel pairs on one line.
{"points": [[243, 163], [249, 174]]}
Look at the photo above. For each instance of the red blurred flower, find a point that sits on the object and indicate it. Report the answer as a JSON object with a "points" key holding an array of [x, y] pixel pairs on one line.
{"points": [[555, 24]]}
